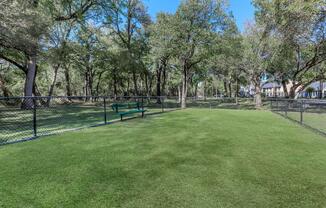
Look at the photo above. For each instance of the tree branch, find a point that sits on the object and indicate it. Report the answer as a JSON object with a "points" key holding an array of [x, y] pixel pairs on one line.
{"points": [[74, 15], [13, 62]]}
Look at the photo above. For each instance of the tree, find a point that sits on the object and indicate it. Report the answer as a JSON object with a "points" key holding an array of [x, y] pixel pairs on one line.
{"points": [[301, 25], [127, 20], [258, 51], [201, 21], [226, 63], [23, 26], [162, 49], [310, 90]]}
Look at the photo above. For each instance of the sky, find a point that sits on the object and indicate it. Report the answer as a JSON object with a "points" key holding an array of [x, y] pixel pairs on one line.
{"points": [[242, 10]]}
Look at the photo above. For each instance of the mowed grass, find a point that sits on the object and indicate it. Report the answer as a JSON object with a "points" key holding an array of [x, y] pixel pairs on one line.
{"points": [[189, 158], [314, 120]]}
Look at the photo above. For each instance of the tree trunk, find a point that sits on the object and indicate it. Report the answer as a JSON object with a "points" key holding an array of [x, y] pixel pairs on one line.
{"points": [[128, 86], [30, 76], [134, 78], [285, 89], [37, 93], [164, 81], [230, 90], [150, 85], [184, 90], [86, 86], [98, 83], [292, 92], [90, 84], [115, 81], [179, 94], [258, 99], [236, 91], [204, 91], [68, 85], [147, 85], [225, 88], [216, 92], [158, 83], [56, 68], [29, 82]]}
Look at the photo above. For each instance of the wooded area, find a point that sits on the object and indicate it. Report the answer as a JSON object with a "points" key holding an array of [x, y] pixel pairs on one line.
{"points": [[112, 47]]}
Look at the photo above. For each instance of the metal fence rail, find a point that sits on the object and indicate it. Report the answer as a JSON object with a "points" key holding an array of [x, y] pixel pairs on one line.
{"points": [[309, 113]]}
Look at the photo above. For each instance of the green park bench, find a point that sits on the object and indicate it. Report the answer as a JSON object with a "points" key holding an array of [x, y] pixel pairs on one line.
{"points": [[124, 109]]}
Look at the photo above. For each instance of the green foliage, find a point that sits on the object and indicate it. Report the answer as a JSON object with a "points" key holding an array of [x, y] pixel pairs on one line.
{"points": [[310, 90], [300, 26], [97, 47]]}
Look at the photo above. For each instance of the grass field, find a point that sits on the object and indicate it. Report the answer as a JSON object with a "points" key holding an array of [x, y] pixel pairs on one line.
{"points": [[189, 158], [312, 119]]}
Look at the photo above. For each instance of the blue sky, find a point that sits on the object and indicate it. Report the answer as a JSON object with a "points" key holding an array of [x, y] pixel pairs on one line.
{"points": [[243, 10]]}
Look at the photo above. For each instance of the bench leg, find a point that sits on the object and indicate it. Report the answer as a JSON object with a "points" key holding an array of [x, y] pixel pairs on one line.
{"points": [[142, 114], [121, 117]]}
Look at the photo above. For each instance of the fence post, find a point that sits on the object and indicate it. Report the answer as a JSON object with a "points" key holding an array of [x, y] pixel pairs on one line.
{"points": [[104, 105], [142, 103], [301, 112], [286, 108], [34, 118], [162, 104]]}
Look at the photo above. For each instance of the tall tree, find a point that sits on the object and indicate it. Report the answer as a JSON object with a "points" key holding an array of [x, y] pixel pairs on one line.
{"points": [[258, 51], [127, 19], [301, 25], [23, 26], [201, 21], [162, 49]]}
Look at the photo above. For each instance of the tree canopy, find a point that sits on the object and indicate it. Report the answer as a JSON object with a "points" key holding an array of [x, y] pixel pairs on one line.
{"points": [[113, 47]]}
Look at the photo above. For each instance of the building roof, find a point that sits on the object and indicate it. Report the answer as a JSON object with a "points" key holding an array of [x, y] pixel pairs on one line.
{"points": [[316, 85], [270, 85]]}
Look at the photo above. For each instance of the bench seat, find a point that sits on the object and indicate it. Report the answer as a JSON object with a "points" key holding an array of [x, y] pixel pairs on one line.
{"points": [[127, 108], [131, 112]]}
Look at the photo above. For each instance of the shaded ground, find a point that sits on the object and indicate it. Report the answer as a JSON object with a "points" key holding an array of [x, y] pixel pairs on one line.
{"points": [[17, 124], [190, 158]]}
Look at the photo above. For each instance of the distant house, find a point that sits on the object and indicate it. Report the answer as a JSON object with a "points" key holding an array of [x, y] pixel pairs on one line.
{"points": [[269, 89], [317, 86], [273, 89]]}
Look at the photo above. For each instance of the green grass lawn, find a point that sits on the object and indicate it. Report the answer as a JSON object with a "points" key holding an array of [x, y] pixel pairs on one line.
{"points": [[190, 158], [312, 119]]}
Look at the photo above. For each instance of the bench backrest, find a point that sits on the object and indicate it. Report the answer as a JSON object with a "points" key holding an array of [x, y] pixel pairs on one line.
{"points": [[121, 106]]}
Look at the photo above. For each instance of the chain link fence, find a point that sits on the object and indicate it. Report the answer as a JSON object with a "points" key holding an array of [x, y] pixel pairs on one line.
{"points": [[26, 118], [309, 113]]}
